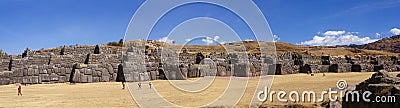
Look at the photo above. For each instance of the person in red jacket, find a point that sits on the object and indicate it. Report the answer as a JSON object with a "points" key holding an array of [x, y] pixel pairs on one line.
{"points": [[19, 90]]}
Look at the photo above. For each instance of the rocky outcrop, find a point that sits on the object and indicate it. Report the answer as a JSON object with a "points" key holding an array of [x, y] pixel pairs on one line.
{"points": [[380, 84]]}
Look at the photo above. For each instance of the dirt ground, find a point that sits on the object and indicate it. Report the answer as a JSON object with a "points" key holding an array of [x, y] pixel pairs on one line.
{"points": [[107, 94], [110, 94]]}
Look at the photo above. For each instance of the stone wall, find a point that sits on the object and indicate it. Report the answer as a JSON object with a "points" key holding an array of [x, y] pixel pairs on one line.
{"points": [[79, 64]]}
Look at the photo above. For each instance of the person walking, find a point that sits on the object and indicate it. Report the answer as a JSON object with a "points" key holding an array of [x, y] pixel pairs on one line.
{"points": [[139, 85], [150, 84], [19, 90], [123, 84]]}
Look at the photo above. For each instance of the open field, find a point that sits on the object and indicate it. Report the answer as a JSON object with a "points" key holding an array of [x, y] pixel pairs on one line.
{"points": [[110, 94]]}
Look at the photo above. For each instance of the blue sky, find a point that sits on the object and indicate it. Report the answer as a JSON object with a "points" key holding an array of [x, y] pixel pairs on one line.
{"points": [[52, 23]]}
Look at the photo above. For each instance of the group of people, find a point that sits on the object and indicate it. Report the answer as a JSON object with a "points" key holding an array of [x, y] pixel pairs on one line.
{"points": [[139, 85], [123, 87]]}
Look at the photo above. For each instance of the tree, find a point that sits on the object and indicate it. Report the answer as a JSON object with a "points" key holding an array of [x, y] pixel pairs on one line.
{"points": [[121, 42], [10, 64], [26, 52], [62, 51], [97, 50]]}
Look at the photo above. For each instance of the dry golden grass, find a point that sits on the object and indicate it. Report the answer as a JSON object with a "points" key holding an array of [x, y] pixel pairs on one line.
{"points": [[253, 47], [104, 95], [110, 94]]}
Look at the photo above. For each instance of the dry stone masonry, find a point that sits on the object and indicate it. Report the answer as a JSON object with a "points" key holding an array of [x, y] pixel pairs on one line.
{"points": [[86, 64]]}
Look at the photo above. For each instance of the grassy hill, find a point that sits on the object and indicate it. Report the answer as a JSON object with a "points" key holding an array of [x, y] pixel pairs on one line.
{"points": [[253, 47], [391, 44], [388, 46]]}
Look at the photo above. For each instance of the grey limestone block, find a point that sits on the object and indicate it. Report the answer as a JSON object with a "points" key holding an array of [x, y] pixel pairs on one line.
{"points": [[30, 72], [96, 79], [114, 77], [89, 78], [76, 76], [25, 72], [36, 72], [68, 70], [153, 75], [84, 78], [27, 80], [35, 79], [88, 72], [221, 71], [104, 72], [129, 77], [241, 69], [44, 78], [105, 78], [62, 79], [57, 70], [53, 77], [62, 71]]}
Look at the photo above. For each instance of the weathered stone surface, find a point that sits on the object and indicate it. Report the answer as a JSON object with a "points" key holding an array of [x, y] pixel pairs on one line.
{"points": [[162, 63], [83, 78], [62, 79], [153, 75], [88, 71], [76, 76], [44, 78], [241, 69], [89, 78], [53, 77], [104, 72], [380, 83], [96, 79], [105, 78], [35, 79], [221, 71]]}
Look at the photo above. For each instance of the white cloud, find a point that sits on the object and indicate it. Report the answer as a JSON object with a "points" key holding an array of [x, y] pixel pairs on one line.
{"points": [[334, 33], [216, 38], [187, 40], [209, 40], [166, 40], [248, 40], [276, 38], [332, 38], [377, 35], [395, 31]]}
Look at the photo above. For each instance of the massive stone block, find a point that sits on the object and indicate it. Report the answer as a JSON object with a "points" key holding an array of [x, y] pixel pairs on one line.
{"points": [[96, 79], [88, 71], [35, 72], [44, 78], [105, 78], [344, 67], [184, 72], [241, 69], [221, 71], [53, 77], [35, 79], [75, 77], [193, 71], [27, 80], [153, 75], [62, 79]]}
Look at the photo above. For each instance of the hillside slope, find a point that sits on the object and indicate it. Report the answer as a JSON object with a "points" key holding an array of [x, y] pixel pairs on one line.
{"points": [[391, 44]]}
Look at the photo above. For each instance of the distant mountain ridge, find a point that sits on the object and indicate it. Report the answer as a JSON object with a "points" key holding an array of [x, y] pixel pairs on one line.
{"points": [[390, 44]]}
